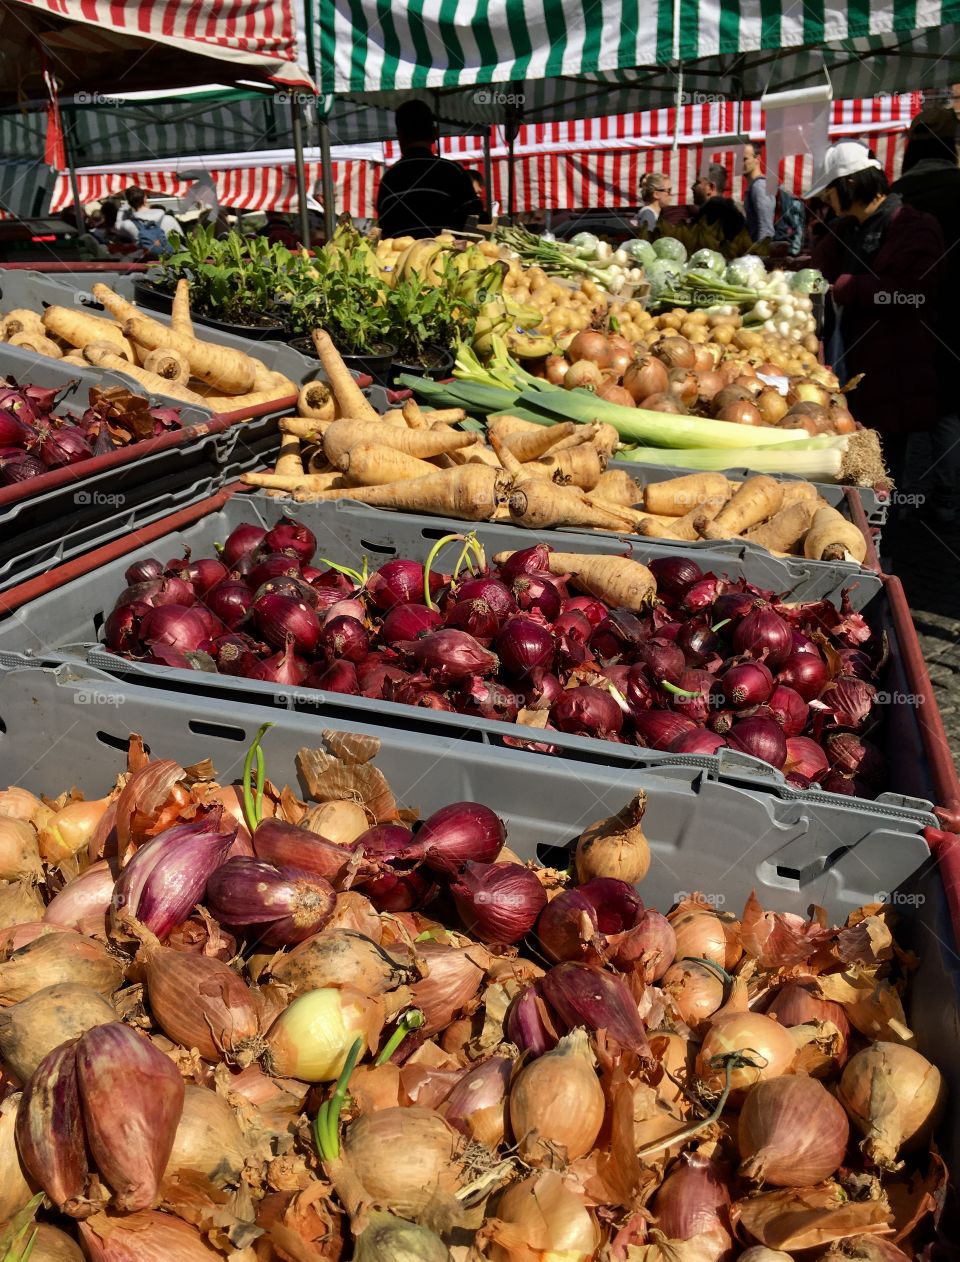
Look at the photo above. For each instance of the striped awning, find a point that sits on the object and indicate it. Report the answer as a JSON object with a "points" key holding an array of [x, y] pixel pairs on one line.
{"points": [[549, 59]]}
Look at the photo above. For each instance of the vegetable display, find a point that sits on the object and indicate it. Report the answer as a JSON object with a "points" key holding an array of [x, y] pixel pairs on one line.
{"points": [[35, 439], [666, 657], [162, 359], [400, 1041]]}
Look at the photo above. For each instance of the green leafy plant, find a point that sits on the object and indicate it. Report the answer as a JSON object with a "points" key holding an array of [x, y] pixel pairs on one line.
{"points": [[233, 278], [340, 290]]}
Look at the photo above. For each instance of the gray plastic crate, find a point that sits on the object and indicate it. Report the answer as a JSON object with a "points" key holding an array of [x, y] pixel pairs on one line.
{"points": [[66, 623]]}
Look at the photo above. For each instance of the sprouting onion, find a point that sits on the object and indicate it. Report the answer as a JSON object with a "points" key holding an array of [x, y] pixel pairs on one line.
{"points": [[326, 1125], [253, 793]]}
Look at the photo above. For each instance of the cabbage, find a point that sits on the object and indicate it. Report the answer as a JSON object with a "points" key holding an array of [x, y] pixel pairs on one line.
{"points": [[808, 281], [670, 248], [748, 271], [585, 244], [708, 261], [639, 250], [663, 274]]}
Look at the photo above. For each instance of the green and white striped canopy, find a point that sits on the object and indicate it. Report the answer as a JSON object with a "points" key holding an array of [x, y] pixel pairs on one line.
{"points": [[482, 60]]}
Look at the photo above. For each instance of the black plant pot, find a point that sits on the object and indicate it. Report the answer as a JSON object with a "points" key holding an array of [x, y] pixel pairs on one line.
{"points": [[438, 369], [378, 366], [151, 295]]}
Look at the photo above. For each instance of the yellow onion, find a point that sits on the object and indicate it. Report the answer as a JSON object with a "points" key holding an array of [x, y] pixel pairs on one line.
{"points": [[19, 856], [144, 1237], [56, 958], [477, 1105], [337, 957], [452, 978], [35, 1026], [760, 1253], [797, 1004], [19, 902], [540, 1218], [557, 1102], [311, 1039], [15, 1191], [50, 1244], [697, 991], [615, 846], [760, 1038], [17, 803], [132, 1099], [340, 822], [50, 1132], [387, 1238], [68, 831], [791, 1132], [208, 1141], [893, 1096], [200, 1002], [353, 910], [83, 903], [403, 1157]]}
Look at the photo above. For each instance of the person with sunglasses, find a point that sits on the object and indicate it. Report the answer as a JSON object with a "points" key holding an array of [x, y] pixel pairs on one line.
{"points": [[655, 193]]}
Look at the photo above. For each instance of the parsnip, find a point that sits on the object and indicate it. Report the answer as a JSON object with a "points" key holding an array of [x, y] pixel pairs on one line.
{"points": [[231, 371], [785, 529], [676, 496], [832, 538], [374, 464], [104, 356], [757, 499], [344, 434], [617, 581]]}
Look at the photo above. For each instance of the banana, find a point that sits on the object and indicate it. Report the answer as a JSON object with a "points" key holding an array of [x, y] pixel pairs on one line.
{"points": [[526, 316], [528, 346], [420, 256]]}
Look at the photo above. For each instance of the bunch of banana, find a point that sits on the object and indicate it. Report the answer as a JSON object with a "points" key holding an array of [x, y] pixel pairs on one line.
{"points": [[508, 322]]}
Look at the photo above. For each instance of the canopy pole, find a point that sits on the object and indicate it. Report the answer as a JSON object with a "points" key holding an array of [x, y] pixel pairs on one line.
{"points": [[676, 57], [326, 178], [488, 170], [304, 214], [72, 173], [511, 179]]}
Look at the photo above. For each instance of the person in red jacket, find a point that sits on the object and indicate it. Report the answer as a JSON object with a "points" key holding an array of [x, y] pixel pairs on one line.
{"points": [[883, 260]]}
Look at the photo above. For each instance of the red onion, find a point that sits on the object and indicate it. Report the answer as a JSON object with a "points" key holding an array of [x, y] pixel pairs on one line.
{"points": [[475, 617], [692, 1200], [732, 605], [289, 585], [490, 590], [568, 926], [789, 709], [122, 630], [279, 617], [674, 575], [533, 560], [582, 995], [699, 706], [236, 654], [658, 729], [573, 630], [174, 626], [856, 662], [398, 886], [721, 721], [498, 902], [21, 469], [849, 700], [286, 845], [399, 583], [13, 433], [613, 637], [524, 646], [343, 609], [699, 741], [595, 610], [202, 574], [405, 622], [231, 601], [851, 756], [334, 677], [805, 673], [762, 633], [701, 594], [375, 671], [488, 699], [745, 685], [459, 833], [587, 711], [639, 690], [540, 592], [64, 446], [664, 660], [293, 537], [805, 757], [761, 738], [803, 644], [530, 1024], [279, 906], [165, 879], [143, 571], [212, 624], [450, 655], [697, 642], [542, 691], [284, 667], [270, 566], [344, 638], [242, 540]]}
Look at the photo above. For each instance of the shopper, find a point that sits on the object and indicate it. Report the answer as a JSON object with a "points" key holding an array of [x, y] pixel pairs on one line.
{"points": [[758, 204], [714, 207], [931, 182], [882, 260], [150, 227], [423, 194], [656, 190]]}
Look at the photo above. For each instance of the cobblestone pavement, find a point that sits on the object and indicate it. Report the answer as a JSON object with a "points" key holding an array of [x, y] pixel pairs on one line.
{"points": [[926, 556]]}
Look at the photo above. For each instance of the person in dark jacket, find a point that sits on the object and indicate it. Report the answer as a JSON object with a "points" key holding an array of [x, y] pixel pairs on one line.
{"points": [[421, 195], [931, 182], [714, 207], [882, 259]]}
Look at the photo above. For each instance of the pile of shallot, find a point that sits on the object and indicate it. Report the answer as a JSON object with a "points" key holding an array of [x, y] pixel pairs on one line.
{"points": [[710, 662], [236, 1024], [34, 439]]}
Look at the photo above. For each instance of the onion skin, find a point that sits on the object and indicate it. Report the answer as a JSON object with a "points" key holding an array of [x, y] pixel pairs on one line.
{"points": [[477, 1105], [791, 1132], [557, 1102], [132, 1100], [199, 1002], [33, 1028], [145, 1237], [796, 1004], [50, 1132], [893, 1096], [550, 1220]]}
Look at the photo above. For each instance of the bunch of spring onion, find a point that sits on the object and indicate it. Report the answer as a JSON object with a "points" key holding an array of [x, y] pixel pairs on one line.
{"points": [[559, 259]]}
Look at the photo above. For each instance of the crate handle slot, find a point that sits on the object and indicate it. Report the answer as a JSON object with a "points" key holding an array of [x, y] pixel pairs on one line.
{"points": [[223, 731], [387, 549], [554, 856], [121, 743]]}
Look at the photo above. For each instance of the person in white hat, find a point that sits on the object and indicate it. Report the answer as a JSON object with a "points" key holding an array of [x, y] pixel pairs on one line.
{"points": [[883, 261]]}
